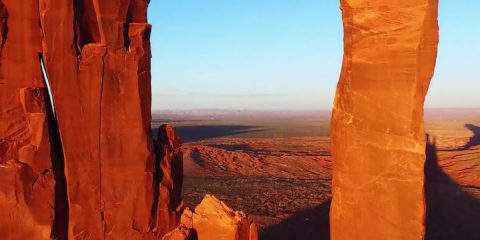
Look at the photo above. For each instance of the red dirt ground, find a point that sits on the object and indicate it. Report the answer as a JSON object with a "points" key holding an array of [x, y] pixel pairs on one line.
{"points": [[276, 167]]}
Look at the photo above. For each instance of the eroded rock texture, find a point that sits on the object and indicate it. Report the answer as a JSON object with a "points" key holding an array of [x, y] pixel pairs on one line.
{"points": [[213, 219], [27, 183], [180, 233], [97, 59], [377, 128], [168, 207]]}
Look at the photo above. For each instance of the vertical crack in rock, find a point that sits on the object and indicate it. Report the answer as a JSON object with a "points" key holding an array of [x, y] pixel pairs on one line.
{"points": [[102, 203], [76, 87], [76, 153], [3, 24], [157, 176], [48, 99], [378, 140], [97, 71], [126, 26], [27, 185], [60, 220]]}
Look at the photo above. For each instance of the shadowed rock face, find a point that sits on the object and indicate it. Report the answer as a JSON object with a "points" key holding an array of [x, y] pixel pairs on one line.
{"points": [[378, 140], [168, 206]]}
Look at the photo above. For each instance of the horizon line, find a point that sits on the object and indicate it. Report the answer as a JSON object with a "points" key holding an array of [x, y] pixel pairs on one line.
{"points": [[287, 109]]}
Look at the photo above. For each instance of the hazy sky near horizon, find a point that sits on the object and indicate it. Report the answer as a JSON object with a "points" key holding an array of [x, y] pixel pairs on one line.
{"points": [[284, 54]]}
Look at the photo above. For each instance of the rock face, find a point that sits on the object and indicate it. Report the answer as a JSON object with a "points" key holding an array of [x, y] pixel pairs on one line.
{"points": [[96, 56], [82, 164], [378, 140], [168, 207], [97, 60], [180, 233], [27, 157], [213, 219]]}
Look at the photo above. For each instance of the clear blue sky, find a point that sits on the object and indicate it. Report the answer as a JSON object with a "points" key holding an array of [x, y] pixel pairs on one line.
{"points": [[284, 54]]}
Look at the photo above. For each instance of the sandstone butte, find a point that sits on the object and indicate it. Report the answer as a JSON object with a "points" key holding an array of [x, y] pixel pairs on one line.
{"points": [[378, 140], [83, 165], [85, 169]]}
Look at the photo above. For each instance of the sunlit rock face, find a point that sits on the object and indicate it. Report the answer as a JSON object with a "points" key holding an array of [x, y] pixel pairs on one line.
{"points": [[180, 233], [27, 183], [95, 174], [97, 58], [378, 140], [213, 219]]}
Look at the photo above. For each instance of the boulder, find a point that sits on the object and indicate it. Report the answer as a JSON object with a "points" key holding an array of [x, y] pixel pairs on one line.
{"points": [[213, 219], [180, 233]]}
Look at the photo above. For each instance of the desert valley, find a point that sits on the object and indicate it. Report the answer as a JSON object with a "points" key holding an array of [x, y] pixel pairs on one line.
{"points": [[276, 167], [88, 151]]}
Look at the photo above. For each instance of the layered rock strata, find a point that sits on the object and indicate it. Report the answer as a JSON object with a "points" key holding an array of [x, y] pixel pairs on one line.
{"points": [[378, 140]]}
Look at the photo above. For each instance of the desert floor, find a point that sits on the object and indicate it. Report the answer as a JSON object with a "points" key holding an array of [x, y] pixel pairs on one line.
{"points": [[276, 167]]}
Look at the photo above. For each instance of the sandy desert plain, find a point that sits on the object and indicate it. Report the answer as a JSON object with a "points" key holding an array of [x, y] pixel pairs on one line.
{"points": [[276, 167]]}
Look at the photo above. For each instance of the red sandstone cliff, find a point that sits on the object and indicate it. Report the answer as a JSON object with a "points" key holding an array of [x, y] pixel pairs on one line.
{"points": [[88, 170], [167, 207], [97, 59], [378, 140], [27, 154]]}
